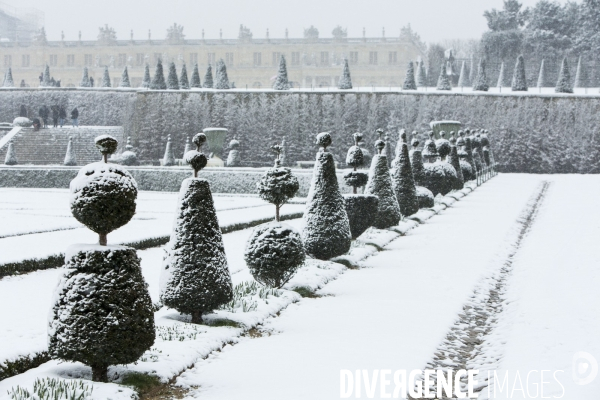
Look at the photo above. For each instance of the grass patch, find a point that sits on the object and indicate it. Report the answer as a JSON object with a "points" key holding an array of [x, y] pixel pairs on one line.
{"points": [[306, 292], [143, 384], [223, 322]]}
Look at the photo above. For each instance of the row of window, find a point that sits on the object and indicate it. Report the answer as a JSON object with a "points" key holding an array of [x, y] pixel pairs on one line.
{"points": [[141, 59]]}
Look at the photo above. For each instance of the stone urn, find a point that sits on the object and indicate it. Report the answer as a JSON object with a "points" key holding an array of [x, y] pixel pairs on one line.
{"points": [[215, 140]]}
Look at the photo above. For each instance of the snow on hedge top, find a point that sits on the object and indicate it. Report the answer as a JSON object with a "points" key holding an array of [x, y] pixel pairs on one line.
{"points": [[100, 172], [75, 249]]}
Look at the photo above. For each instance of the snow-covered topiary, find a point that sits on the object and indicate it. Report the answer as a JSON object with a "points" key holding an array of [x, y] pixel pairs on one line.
{"points": [[463, 79], [172, 80], [326, 231], [278, 185], [8, 78], [542, 80], [222, 81], [85, 79], [440, 177], [403, 182], [355, 158], [125, 79], [23, 122], [502, 81], [46, 77], [281, 80], [467, 171], [361, 210], [128, 157], [195, 278], [146, 82], [105, 79], [11, 156], [345, 81], [70, 158], [409, 81], [158, 82], [208, 78], [421, 75], [443, 146], [563, 85], [380, 185], [103, 313], [184, 84], [195, 82], [468, 149], [519, 81], [168, 159], [443, 82], [274, 253], [416, 162], [425, 197], [481, 81], [459, 182], [430, 153], [233, 158]]}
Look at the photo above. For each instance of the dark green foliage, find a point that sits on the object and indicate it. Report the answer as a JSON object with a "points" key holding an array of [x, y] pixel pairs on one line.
{"points": [[183, 79], [416, 162], [33, 264], [274, 253], [324, 140], [362, 212], [380, 185], [208, 78], [467, 171], [443, 146], [430, 153], [425, 197], [105, 79], [326, 231], [196, 160], [146, 82], [103, 314], [9, 368], [85, 79], [563, 85], [195, 277], [125, 79], [277, 186], [486, 156], [519, 81], [481, 81], [355, 157], [409, 81], [345, 81], [439, 177], [443, 82], [404, 183], [356, 179], [455, 162], [106, 144], [195, 83], [172, 80], [281, 81], [158, 82]]}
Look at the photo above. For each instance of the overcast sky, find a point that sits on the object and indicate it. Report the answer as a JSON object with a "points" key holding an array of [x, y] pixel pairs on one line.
{"points": [[434, 20]]}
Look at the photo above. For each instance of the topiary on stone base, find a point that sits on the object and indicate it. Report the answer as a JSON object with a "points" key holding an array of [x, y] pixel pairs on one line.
{"points": [[326, 231]]}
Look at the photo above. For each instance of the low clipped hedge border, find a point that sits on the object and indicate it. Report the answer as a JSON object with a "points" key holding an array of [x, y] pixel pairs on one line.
{"points": [[10, 368]]}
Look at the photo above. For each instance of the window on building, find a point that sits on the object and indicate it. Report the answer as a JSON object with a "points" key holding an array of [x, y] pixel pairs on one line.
{"points": [[25, 60], [211, 58], [229, 59], [70, 60], [8, 61], [276, 58], [88, 60], [53, 60], [257, 59], [324, 58], [193, 58], [122, 60], [393, 57], [373, 57], [295, 58], [139, 59], [353, 57]]}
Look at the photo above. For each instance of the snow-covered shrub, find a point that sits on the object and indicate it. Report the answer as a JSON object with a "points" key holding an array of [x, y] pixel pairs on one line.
{"points": [[11, 156], [208, 78], [440, 177], [563, 85], [125, 79], [459, 182], [380, 185], [519, 81], [102, 314], [222, 81], [345, 81], [184, 84], [467, 170], [403, 182], [326, 231], [443, 146], [146, 81], [425, 197], [362, 212], [23, 122], [281, 81], [195, 82], [443, 82], [430, 153], [70, 158], [481, 82], [356, 179], [277, 186], [274, 253], [409, 81], [158, 82], [172, 80], [195, 278], [105, 83], [416, 162], [85, 79], [128, 157], [233, 158], [421, 75]]}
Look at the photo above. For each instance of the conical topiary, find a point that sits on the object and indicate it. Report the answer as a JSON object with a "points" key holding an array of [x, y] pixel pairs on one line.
{"points": [[416, 162], [519, 81], [158, 82], [172, 80], [542, 80], [403, 181], [221, 75], [233, 158], [281, 81], [481, 82], [581, 77], [85, 79], [502, 81], [195, 278], [184, 84], [443, 82], [11, 156], [103, 313], [195, 83], [46, 77], [380, 185], [208, 78], [70, 158], [421, 75], [463, 79], [345, 81], [409, 81], [168, 159], [455, 162], [146, 82], [563, 85], [128, 157], [105, 79], [8, 79], [443, 146], [326, 231], [465, 154], [125, 79]]}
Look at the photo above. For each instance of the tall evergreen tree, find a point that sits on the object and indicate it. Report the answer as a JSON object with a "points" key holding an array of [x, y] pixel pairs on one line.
{"points": [[345, 81], [208, 78], [158, 82], [146, 82], [221, 75], [581, 76], [172, 80], [502, 77], [542, 80], [183, 79], [403, 181], [85, 79], [519, 81], [46, 77], [463, 79], [380, 185], [8, 79], [481, 82], [421, 75], [563, 85], [105, 78], [125, 79], [281, 81], [409, 81], [443, 82], [195, 83]]}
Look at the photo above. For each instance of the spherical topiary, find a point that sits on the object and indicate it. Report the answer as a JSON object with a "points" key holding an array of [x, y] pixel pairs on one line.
{"points": [[324, 140], [199, 139], [425, 197], [443, 146], [277, 186], [274, 253], [103, 312], [362, 212], [467, 171], [106, 144], [430, 153], [196, 160], [439, 177], [355, 157], [129, 157], [356, 179]]}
